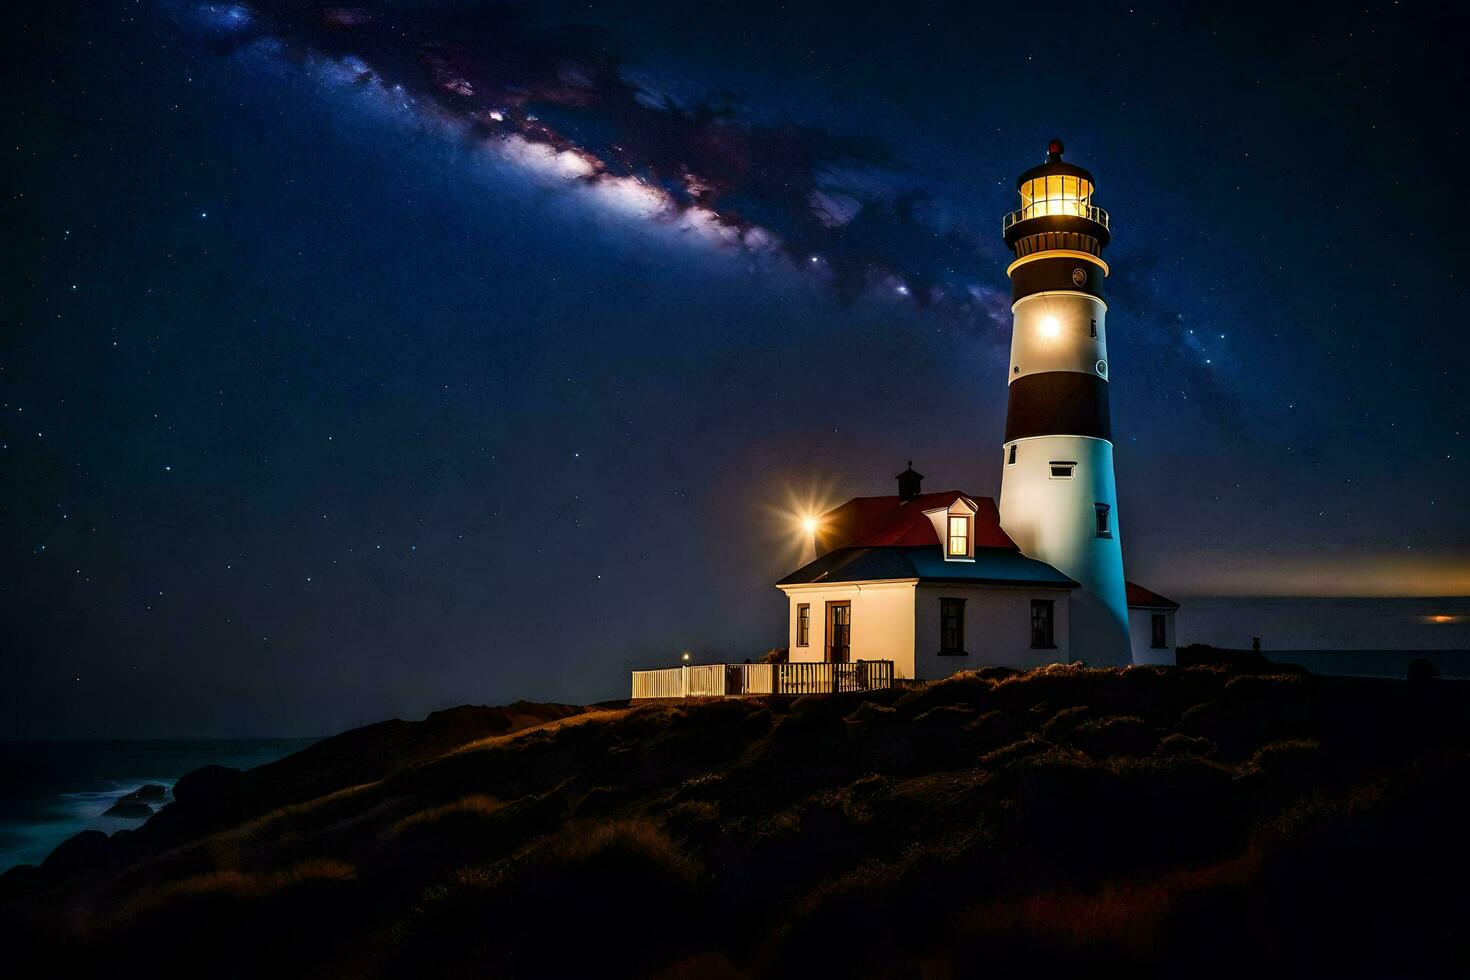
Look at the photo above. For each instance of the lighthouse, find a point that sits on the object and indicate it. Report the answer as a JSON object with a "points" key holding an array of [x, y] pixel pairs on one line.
{"points": [[1058, 497]]}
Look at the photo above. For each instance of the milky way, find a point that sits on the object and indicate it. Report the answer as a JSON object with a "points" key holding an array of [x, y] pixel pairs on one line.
{"points": [[558, 102]]}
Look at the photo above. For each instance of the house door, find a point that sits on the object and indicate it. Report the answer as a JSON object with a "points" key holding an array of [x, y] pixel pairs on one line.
{"points": [[839, 632]]}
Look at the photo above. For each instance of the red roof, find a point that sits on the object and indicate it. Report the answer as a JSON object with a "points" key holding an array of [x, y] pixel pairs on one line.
{"points": [[878, 522], [1139, 596]]}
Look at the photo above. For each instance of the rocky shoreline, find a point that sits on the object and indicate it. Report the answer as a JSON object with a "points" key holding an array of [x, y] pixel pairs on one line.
{"points": [[139, 803]]}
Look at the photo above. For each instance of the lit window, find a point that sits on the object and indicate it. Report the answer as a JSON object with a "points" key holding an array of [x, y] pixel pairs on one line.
{"points": [[1158, 631], [1042, 635], [1055, 194], [1104, 520], [959, 537], [1062, 470], [951, 626], [803, 624]]}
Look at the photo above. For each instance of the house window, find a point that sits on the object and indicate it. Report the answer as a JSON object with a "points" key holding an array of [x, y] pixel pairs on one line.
{"points": [[951, 626], [803, 624], [1042, 612], [1012, 457], [1104, 520], [959, 537], [1062, 469], [1158, 631]]}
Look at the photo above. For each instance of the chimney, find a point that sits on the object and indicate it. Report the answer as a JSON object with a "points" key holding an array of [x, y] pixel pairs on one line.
{"points": [[908, 483]]}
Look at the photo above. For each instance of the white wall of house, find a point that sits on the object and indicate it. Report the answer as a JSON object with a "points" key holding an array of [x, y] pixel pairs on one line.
{"points": [[1141, 633], [882, 622], [997, 628]]}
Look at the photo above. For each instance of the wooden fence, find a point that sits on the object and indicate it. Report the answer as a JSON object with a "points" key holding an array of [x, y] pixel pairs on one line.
{"points": [[736, 680], [830, 678], [670, 683]]}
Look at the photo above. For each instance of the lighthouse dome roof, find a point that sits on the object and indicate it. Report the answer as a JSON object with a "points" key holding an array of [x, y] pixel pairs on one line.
{"points": [[1054, 166]]}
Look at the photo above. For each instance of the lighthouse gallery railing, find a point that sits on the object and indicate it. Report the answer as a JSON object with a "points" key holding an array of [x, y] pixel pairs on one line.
{"points": [[1045, 209]]}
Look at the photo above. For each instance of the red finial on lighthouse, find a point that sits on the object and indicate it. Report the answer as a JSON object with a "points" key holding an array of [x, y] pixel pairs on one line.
{"points": [[1054, 151]]}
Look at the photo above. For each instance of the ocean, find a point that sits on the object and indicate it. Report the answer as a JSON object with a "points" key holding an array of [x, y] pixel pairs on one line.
{"points": [[52, 790], [1451, 664]]}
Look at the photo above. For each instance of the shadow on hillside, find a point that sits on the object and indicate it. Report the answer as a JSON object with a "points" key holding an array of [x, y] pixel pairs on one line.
{"points": [[1205, 822]]}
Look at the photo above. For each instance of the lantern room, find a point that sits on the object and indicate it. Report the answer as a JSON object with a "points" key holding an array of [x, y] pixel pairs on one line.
{"points": [[1056, 209], [1056, 194]]}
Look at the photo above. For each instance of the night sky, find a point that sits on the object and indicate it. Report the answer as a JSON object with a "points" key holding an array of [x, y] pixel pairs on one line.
{"points": [[362, 360]]}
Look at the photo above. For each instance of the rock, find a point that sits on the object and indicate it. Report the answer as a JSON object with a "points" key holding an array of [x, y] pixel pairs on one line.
{"points": [[135, 804], [207, 785], [77, 853], [132, 809], [18, 881]]}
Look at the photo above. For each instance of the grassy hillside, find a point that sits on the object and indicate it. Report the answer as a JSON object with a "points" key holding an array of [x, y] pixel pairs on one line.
{"points": [[1204, 821]]}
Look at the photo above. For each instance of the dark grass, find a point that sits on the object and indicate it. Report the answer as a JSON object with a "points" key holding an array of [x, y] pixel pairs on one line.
{"points": [[1209, 821]]}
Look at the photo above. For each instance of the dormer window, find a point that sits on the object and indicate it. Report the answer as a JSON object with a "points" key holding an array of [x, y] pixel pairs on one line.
{"points": [[959, 536], [954, 528]]}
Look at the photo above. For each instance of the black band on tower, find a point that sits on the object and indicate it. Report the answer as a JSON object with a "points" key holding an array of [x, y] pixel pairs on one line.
{"points": [[1058, 403], [1063, 273]]}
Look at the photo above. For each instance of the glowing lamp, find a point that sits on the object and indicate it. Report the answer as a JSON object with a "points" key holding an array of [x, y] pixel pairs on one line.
{"points": [[1058, 190], [1051, 327], [810, 524]]}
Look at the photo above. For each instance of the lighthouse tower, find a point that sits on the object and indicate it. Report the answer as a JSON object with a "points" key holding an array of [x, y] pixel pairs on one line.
{"points": [[1058, 498]]}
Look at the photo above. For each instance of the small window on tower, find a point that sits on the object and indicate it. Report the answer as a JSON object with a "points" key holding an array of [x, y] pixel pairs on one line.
{"points": [[1104, 520], [1062, 470], [1094, 329], [1012, 457]]}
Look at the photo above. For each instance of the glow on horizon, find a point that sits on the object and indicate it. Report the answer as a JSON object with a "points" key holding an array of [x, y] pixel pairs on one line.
{"points": [[1342, 576]]}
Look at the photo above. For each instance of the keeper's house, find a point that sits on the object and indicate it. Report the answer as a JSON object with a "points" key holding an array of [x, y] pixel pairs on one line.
{"points": [[932, 583]]}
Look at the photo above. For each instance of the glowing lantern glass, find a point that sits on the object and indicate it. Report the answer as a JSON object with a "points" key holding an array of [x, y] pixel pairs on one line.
{"points": [[1056, 194]]}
